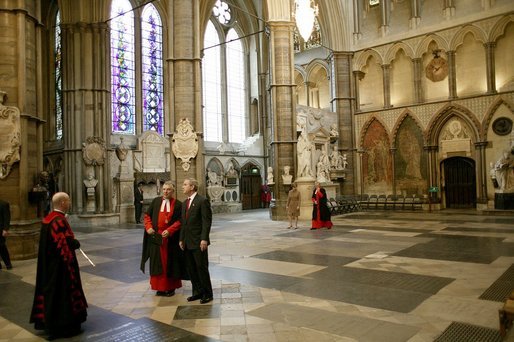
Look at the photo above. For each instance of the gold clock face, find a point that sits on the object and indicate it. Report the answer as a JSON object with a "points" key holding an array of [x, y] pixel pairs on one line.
{"points": [[437, 69]]}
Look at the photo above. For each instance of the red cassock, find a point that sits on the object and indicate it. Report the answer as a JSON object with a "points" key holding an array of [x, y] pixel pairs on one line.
{"points": [[162, 282]]}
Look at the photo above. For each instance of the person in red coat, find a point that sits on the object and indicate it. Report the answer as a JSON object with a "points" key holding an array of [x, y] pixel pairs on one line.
{"points": [[59, 305], [160, 243], [320, 210]]}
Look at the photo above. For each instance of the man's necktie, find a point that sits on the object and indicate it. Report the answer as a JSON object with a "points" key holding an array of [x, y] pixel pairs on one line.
{"points": [[187, 207]]}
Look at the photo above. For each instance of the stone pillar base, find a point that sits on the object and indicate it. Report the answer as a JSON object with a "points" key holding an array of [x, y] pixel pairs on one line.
{"points": [[88, 223], [23, 239], [504, 200], [127, 213]]}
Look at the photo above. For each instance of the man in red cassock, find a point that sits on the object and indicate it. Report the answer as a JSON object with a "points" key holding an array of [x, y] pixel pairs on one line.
{"points": [[59, 302], [160, 243]]}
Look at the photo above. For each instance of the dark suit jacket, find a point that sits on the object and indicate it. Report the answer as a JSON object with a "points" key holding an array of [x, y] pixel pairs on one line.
{"points": [[196, 223], [5, 216], [138, 196]]}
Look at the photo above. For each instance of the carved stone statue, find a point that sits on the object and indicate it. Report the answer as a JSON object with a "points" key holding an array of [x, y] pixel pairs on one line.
{"points": [[345, 163], [270, 176], [324, 160], [304, 148], [333, 130], [502, 168], [336, 159], [286, 177], [322, 176]]}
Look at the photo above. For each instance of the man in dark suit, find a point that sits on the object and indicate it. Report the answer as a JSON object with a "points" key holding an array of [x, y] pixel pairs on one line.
{"points": [[194, 240], [5, 222], [138, 201]]}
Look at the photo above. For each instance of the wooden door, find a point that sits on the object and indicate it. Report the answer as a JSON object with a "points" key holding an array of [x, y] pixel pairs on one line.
{"points": [[250, 191], [460, 182]]}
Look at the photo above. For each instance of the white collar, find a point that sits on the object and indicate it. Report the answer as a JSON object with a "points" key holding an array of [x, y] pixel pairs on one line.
{"points": [[192, 197], [165, 205]]}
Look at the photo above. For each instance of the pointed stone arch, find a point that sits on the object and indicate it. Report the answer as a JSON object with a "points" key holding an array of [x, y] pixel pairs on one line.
{"points": [[391, 53], [422, 47], [458, 38], [366, 126], [314, 65], [499, 101], [406, 113], [499, 27], [216, 165], [439, 120], [362, 60]]}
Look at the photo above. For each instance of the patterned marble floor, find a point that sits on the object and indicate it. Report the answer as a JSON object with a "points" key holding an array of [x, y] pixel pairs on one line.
{"points": [[384, 276]]}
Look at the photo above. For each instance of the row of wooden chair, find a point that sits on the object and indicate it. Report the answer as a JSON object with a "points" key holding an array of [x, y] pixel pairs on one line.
{"points": [[392, 202]]}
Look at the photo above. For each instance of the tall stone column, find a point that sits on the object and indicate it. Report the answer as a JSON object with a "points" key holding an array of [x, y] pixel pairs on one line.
{"points": [[343, 100], [431, 153], [184, 71], [22, 80], [385, 13], [415, 13], [392, 150], [283, 114], [418, 84], [489, 59], [452, 76], [357, 10], [482, 173], [357, 76], [86, 107], [449, 8], [386, 68]]}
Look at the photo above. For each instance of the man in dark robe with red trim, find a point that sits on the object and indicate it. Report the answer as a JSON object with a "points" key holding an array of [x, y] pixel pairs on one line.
{"points": [[161, 243], [60, 305]]}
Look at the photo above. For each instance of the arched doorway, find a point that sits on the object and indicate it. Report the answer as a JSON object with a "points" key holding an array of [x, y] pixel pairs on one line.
{"points": [[460, 182], [251, 186]]}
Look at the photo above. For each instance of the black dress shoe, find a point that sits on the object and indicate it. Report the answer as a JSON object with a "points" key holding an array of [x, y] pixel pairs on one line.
{"points": [[205, 300], [159, 293], [169, 293], [193, 298]]}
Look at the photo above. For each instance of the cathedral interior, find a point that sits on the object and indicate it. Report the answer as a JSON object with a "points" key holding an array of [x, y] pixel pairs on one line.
{"points": [[373, 98]]}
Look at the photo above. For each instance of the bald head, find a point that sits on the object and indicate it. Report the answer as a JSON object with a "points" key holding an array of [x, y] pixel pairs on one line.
{"points": [[61, 201]]}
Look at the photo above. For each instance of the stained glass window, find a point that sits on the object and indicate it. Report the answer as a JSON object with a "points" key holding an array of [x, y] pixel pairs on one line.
{"points": [[152, 70], [236, 88], [211, 75], [58, 77], [122, 67]]}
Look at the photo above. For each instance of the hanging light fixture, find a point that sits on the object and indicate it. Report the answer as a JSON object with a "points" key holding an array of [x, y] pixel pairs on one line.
{"points": [[305, 12]]}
